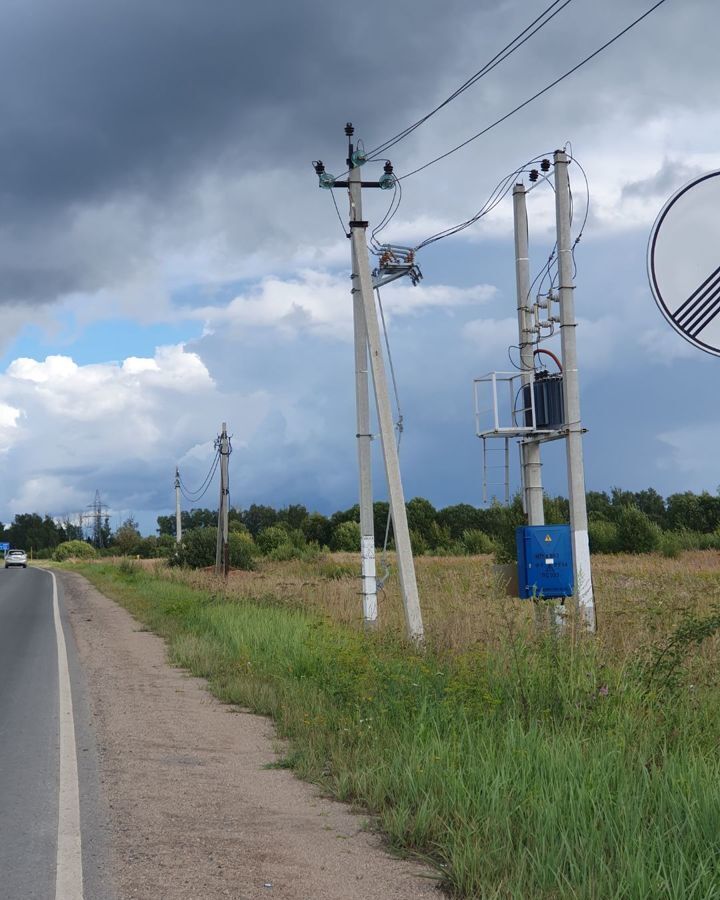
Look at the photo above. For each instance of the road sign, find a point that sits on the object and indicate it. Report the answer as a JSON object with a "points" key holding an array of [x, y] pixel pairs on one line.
{"points": [[4, 547], [684, 262]]}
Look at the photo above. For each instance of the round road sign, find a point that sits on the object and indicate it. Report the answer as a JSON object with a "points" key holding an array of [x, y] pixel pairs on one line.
{"points": [[684, 262]]}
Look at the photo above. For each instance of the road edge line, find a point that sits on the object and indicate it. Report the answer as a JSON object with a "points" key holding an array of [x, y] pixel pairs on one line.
{"points": [[69, 874]]}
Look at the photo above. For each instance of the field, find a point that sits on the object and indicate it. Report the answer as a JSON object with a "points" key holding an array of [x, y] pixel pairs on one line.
{"points": [[520, 764]]}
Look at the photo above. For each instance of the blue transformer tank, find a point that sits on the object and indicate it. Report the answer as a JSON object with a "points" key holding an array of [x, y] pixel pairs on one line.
{"points": [[545, 563]]}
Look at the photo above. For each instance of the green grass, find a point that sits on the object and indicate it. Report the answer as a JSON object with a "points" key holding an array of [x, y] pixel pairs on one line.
{"points": [[537, 770]]}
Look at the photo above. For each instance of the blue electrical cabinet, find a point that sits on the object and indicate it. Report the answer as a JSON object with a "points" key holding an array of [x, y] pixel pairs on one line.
{"points": [[545, 564]]}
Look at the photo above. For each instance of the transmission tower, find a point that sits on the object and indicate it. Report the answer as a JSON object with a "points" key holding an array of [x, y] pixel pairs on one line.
{"points": [[97, 510]]}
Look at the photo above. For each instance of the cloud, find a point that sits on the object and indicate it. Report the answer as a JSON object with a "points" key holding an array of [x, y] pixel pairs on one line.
{"points": [[114, 426], [191, 164], [320, 302]]}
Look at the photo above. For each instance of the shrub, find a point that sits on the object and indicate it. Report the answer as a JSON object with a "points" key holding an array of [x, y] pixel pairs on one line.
{"points": [[671, 544], [74, 550], [418, 543], [603, 537], [198, 547], [475, 541], [271, 538], [346, 536], [439, 537], [636, 533]]}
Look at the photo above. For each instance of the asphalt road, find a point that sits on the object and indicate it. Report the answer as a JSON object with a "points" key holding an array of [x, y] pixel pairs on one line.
{"points": [[52, 825]]}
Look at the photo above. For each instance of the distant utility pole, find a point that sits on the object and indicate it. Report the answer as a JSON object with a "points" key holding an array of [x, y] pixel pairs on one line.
{"points": [[529, 448], [364, 436], [222, 553], [178, 517], [363, 283], [571, 390]]}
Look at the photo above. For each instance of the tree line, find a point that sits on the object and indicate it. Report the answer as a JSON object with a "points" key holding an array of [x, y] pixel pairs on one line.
{"points": [[620, 520]]}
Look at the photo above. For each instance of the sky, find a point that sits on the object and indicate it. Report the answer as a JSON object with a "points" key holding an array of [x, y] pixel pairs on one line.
{"points": [[168, 262]]}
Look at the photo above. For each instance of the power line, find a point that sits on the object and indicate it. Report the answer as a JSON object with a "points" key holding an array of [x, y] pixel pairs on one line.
{"points": [[537, 95], [395, 202], [501, 190], [194, 495], [499, 57]]}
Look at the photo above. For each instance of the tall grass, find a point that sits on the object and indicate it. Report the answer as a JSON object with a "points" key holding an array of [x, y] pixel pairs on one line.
{"points": [[521, 767]]}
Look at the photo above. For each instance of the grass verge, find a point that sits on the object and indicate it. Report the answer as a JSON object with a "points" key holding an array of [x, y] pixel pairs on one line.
{"points": [[535, 768]]}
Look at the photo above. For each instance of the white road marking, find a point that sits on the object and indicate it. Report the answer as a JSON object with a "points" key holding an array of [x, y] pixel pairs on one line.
{"points": [[69, 875]]}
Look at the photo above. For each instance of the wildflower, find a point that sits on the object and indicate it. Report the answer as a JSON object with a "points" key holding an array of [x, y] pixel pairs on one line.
{"points": [[604, 691]]}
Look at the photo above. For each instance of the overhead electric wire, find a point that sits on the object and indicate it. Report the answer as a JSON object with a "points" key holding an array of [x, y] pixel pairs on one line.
{"points": [[499, 192], [389, 215], [499, 57], [340, 219], [194, 495], [535, 96]]}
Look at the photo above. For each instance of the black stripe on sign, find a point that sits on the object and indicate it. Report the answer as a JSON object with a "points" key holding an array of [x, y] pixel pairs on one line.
{"points": [[694, 294], [700, 310], [706, 319], [708, 295]]}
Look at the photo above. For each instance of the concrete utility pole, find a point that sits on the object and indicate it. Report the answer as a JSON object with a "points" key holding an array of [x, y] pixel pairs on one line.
{"points": [[363, 282], [364, 437], [576, 470], [178, 517], [222, 553], [529, 448]]}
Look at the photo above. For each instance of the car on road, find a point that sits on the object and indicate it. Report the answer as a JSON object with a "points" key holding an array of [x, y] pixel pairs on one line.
{"points": [[16, 558]]}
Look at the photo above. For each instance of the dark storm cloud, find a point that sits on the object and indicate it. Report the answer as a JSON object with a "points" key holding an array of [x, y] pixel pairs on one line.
{"points": [[138, 100], [102, 97]]}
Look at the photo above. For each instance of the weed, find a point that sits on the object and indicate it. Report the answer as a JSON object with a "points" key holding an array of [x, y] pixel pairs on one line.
{"points": [[521, 765]]}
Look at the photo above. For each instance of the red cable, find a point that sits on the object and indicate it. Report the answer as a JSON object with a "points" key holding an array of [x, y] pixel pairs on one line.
{"points": [[551, 355]]}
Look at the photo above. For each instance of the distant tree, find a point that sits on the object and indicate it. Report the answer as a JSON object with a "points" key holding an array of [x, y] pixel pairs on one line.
{"points": [[599, 505], [34, 532], [381, 510], [653, 505], [271, 538], [346, 536], [294, 516], [127, 538], [345, 515], [693, 512], [166, 525], [258, 517], [557, 510], [459, 518], [421, 517], [317, 529], [197, 549], [635, 532], [198, 518]]}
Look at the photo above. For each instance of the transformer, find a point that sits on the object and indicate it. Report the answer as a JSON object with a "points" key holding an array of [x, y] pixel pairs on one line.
{"points": [[548, 396]]}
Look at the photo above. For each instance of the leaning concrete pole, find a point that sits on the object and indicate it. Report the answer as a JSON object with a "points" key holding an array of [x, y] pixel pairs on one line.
{"points": [[406, 565], [178, 516], [364, 437], [529, 448], [571, 390]]}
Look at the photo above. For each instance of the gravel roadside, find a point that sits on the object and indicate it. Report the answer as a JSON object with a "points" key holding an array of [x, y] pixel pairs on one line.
{"points": [[194, 815]]}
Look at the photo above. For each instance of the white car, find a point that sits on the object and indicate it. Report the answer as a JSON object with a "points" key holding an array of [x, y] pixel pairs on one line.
{"points": [[16, 558]]}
